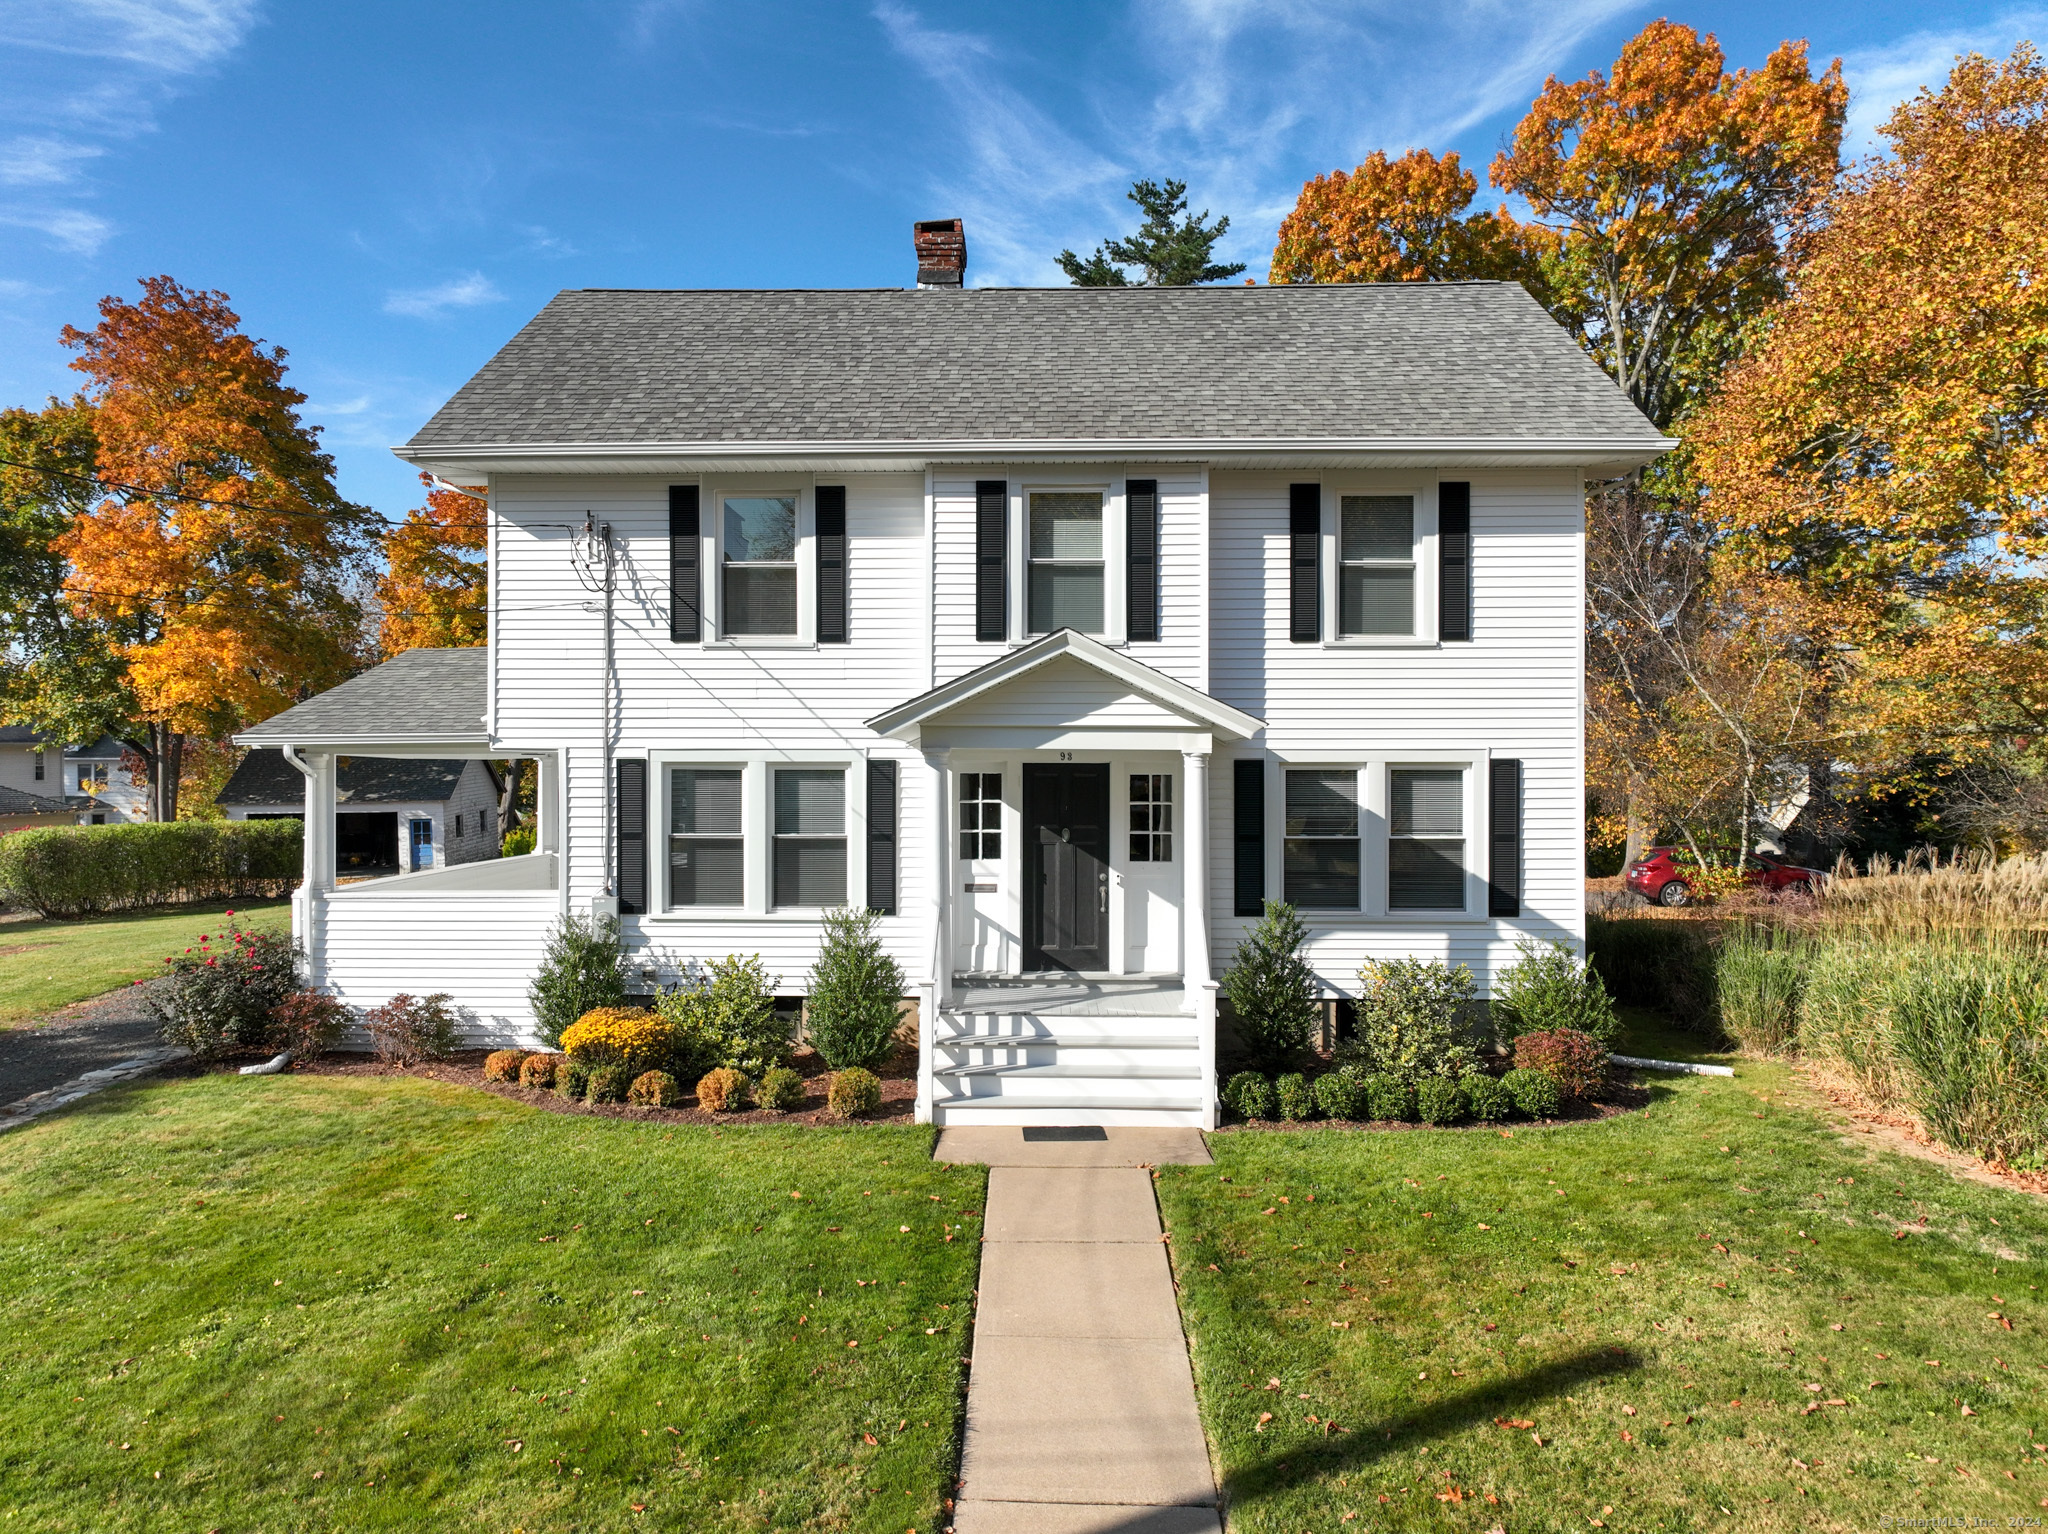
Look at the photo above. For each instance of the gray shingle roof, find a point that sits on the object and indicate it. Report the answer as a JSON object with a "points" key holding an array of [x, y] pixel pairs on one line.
{"points": [[265, 777], [1395, 361], [16, 801], [419, 697]]}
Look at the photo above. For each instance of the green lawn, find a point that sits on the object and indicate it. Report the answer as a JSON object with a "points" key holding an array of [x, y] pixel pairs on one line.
{"points": [[45, 965], [370, 1303], [1417, 1289]]}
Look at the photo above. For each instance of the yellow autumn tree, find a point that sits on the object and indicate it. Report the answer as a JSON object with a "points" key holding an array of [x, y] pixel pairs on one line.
{"points": [[433, 590]]}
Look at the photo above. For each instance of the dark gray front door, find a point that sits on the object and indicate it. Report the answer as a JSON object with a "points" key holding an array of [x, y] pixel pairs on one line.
{"points": [[1066, 873]]}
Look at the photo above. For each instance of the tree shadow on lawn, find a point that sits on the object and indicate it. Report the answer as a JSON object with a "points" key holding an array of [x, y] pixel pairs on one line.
{"points": [[1286, 1466]]}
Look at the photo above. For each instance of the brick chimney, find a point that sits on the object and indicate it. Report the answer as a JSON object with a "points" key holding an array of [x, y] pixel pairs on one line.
{"points": [[941, 253]]}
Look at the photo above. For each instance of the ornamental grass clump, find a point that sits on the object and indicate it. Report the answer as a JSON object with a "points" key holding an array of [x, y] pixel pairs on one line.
{"points": [[1294, 1097], [654, 1089], [1550, 986], [1759, 975], [308, 1023], [631, 1037], [583, 967], [855, 992], [407, 1030], [1272, 991], [504, 1064], [1970, 1030], [1414, 1019], [1534, 1093], [1576, 1062], [1250, 1096], [538, 1071], [723, 1090], [218, 996], [780, 1090], [1340, 1095], [853, 1092]]}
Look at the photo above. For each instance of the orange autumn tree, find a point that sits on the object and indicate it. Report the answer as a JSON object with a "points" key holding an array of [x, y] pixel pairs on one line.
{"points": [[433, 591], [224, 558], [1399, 221]]}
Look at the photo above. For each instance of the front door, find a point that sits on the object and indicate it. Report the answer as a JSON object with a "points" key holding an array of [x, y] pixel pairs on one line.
{"points": [[1066, 866]]}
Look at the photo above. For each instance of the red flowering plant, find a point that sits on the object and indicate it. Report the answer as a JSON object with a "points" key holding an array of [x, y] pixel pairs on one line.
{"points": [[216, 997]]}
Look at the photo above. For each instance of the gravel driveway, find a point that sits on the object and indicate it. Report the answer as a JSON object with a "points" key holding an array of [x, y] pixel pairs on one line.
{"points": [[85, 1036]]}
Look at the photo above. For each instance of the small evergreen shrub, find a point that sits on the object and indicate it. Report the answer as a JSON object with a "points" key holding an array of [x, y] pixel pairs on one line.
{"points": [[1535, 1093], [1249, 1095], [219, 995], [654, 1089], [780, 1090], [854, 1091], [630, 1036], [738, 1004], [409, 1029], [308, 1023], [572, 1078], [1414, 1019], [1548, 987], [1439, 1100], [504, 1064], [583, 967], [1486, 1100], [1295, 1099], [538, 1071], [1576, 1062], [1390, 1097], [1340, 1095], [854, 990], [608, 1083], [723, 1090], [693, 1049], [1272, 991]]}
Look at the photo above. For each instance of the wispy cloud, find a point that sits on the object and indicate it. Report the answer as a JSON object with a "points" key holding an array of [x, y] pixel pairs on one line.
{"points": [[431, 303], [39, 160], [1880, 78], [71, 229]]}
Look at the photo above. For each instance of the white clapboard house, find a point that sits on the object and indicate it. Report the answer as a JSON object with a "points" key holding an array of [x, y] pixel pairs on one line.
{"points": [[1061, 626]]}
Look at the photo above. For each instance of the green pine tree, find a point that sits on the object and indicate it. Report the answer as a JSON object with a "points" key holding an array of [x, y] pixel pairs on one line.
{"points": [[1171, 254]]}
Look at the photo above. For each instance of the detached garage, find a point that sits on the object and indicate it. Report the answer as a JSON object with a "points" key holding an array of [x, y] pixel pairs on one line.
{"points": [[393, 815]]}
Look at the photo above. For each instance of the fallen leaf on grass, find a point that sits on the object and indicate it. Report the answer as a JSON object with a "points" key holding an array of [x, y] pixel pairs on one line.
{"points": [[1514, 1424]]}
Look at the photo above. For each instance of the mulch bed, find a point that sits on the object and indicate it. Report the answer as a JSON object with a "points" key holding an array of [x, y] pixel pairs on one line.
{"points": [[1624, 1094], [898, 1077]]}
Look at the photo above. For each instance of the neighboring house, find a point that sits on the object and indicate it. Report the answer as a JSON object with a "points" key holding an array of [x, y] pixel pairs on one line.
{"points": [[390, 816], [1063, 627], [89, 785]]}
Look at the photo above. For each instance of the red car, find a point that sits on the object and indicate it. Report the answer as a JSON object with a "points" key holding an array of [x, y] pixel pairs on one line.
{"points": [[1664, 875]]}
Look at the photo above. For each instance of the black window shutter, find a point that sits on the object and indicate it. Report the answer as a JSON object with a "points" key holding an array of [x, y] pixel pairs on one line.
{"points": [[1248, 860], [1504, 816], [882, 837], [1454, 560], [629, 815], [1141, 559], [991, 560], [1304, 563], [831, 507], [685, 550]]}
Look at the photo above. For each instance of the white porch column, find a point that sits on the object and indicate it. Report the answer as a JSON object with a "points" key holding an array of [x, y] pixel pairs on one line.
{"points": [[936, 984], [309, 901], [1196, 978]]}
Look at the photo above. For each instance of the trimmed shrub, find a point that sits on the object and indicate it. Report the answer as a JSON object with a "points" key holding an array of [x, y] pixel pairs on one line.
{"points": [[1439, 1100], [1414, 1019], [738, 1011], [538, 1071], [408, 1029], [1486, 1100], [308, 1023], [609, 1083], [780, 1090], [1272, 991], [582, 968], [220, 993], [81, 870], [654, 1089], [1759, 974], [1534, 1093], [1577, 1064], [1249, 1095], [723, 1090], [1340, 1095], [572, 1078], [630, 1036], [504, 1064], [855, 988], [1294, 1097], [1550, 986], [1390, 1097], [854, 1091]]}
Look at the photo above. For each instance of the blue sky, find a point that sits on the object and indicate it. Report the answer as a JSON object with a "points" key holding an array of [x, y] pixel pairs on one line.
{"points": [[389, 190]]}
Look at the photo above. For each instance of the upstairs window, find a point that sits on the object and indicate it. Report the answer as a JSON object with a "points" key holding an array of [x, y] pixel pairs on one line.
{"points": [[1066, 574], [39, 766], [1376, 565], [981, 815], [759, 593], [1151, 817], [810, 837], [1426, 839], [1320, 858], [707, 848]]}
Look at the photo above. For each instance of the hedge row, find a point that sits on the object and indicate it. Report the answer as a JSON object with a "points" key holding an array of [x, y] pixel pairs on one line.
{"points": [[84, 870]]}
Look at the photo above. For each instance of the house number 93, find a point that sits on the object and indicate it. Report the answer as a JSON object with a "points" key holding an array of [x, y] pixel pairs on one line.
{"points": [[1066, 756]]}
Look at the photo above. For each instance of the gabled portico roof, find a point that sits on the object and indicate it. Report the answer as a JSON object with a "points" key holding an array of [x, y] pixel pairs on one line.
{"points": [[1202, 712]]}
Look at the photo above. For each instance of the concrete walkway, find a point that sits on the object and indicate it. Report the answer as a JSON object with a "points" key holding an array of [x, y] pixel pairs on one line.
{"points": [[1080, 1405]]}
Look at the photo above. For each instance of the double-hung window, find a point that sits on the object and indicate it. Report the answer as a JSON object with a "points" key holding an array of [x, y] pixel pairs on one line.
{"points": [[1426, 839], [981, 816], [707, 848], [1151, 817], [1065, 578], [1320, 857], [757, 570], [810, 836], [1376, 565]]}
